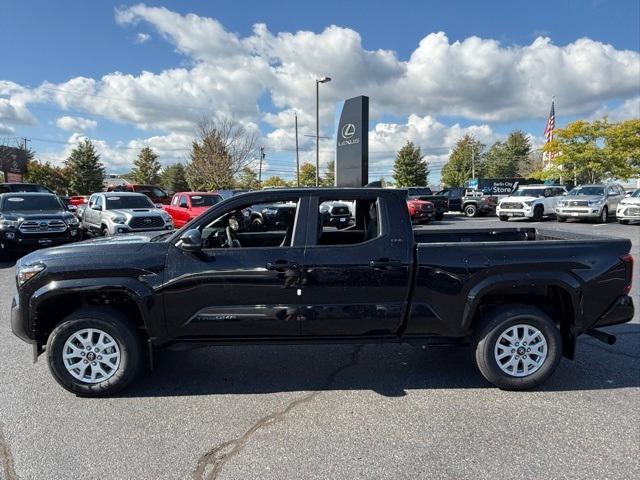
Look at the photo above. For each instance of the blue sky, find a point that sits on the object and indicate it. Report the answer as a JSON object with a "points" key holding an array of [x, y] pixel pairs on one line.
{"points": [[59, 41]]}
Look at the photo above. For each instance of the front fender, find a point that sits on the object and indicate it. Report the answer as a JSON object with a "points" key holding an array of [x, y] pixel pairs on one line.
{"points": [[143, 295]]}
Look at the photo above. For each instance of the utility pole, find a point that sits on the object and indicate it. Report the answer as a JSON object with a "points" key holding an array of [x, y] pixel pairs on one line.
{"points": [[297, 153], [473, 161], [260, 170], [24, 142]]}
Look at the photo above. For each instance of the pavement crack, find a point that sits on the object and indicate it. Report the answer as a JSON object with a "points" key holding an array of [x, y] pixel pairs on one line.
{"points": [[8, 466], [210, 465]]}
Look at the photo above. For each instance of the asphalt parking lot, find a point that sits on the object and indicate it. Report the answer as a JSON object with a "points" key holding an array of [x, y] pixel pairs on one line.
{"points": [[389, 411]]}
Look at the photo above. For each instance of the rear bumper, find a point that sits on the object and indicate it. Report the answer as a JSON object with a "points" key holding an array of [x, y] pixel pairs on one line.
{"points": [[621, 311]]}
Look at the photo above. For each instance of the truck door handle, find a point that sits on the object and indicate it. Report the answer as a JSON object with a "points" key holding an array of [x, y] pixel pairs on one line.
{"points": [[385, 263], [282, 265]]}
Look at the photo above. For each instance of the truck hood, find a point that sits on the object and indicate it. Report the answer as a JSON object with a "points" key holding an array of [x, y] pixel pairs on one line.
{"points": [[631, 201], [28, 215], [100, 248], [134, 212], [518, 199]]}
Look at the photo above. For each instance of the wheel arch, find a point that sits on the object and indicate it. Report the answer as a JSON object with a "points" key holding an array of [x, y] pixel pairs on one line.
{"points": [[559, 297], [50, 304]]}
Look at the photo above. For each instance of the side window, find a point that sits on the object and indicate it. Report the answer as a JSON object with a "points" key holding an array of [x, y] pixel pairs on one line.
{"points": [[98, 201], [611, 191], [174, 202], [158, 192], [91, 201], [548, 193], [348, 221], [261, 225], [183, 201]]}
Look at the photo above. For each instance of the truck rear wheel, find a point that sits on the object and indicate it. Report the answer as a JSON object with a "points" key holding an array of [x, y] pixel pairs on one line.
{"points": [[470, 210], [517, 347], [538, 213], [94, 352]]}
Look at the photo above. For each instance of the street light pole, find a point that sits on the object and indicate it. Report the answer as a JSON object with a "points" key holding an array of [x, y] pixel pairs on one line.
{"points": [[318, 82]]}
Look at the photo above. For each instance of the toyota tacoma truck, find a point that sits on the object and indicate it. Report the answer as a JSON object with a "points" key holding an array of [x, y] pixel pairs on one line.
{"points": [[34, 220], [122, 212], [519, 297]]}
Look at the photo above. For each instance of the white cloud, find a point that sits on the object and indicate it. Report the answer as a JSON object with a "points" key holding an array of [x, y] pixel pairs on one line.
{"points": [[625, 111], [142, 38], [75, 124]]}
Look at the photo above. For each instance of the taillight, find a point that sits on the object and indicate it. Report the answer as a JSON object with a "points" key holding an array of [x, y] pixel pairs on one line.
{"points": [[628, 261]]}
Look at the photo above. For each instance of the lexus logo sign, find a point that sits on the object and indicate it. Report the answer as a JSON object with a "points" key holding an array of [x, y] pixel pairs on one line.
{"points": [[348, 130]]}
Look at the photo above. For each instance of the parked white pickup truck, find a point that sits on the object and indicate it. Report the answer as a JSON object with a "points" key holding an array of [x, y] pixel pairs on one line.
{"points": [[531, 201]]}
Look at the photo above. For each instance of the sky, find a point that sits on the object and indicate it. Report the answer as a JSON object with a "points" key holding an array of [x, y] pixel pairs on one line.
{"points": [[129, 75]]}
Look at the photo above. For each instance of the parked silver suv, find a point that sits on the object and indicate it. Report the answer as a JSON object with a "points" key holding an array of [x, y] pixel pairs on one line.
{"points": [[591, 202], [122, 212]]}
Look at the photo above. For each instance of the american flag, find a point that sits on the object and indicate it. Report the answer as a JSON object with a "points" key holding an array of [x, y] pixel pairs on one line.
{"points": [[551, 124], [548, 134]]}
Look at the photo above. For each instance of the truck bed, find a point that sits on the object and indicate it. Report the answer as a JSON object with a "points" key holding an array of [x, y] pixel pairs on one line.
{"points": [[499, 235]]}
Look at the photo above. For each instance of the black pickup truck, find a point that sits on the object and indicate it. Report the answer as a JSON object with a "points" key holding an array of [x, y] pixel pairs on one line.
{"points": [[518, 296]]}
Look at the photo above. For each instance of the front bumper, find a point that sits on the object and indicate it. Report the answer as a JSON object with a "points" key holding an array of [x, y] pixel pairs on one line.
{"points": [[121, 228], [579, 212], [514, 213], [18, 325], [620, 311], [15, 241], [628, 212], [421, 216]]}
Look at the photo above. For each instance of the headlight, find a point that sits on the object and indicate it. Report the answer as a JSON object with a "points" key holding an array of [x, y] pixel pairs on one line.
{"points": [[119, 220], [24, 273], [8, 223], [597, 201], [73, 222], [529, 203]]}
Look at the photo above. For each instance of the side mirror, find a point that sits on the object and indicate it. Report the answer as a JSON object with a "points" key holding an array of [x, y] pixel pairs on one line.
{"points": [[191, 240]]}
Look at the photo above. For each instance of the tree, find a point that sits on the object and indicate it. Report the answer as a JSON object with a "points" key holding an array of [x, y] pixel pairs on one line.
{"points": [[307, 175], [275, 182], [410, 168], [52, 177], [329, 177], [85, 171], [222, 149], [504, 158], [146, 168], [173, 178], [460, 166], [590, 152], [247, 179]]}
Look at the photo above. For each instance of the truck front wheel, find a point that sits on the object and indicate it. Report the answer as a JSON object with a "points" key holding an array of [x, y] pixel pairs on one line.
{"points": [[517, 347], [94, 352]]}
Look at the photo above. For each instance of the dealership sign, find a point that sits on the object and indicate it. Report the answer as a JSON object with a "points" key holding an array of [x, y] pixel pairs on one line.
{"points": [[352, 143]]}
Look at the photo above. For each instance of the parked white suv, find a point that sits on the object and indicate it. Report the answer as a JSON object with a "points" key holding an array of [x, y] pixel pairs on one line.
{"points": [[629, 208], [591, 202], [530, 201]]}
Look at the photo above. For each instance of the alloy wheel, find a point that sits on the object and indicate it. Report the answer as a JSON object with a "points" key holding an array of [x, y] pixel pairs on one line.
{"points": [[520, 350], [91, 355]]}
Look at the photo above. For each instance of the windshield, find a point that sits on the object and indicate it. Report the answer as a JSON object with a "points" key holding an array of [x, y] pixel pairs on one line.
{"points": [[587, 191], [205, 200], [529, 192], [115, 203], [636, 194], [42, 203]]}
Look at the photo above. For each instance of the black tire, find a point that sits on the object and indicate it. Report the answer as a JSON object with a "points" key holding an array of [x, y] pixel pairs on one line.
{"points": [[470, 210], [503, 218], [104, 231], [561, 219], [439, 216], [538, 213], [499, 320], [110, 321], [604, 215]]}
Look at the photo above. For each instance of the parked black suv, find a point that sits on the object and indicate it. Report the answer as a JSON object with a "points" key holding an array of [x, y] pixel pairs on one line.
{"points": [[32, 220]]}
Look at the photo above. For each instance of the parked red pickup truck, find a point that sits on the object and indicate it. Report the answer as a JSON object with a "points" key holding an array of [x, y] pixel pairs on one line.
{"points": [[186, 206]]}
